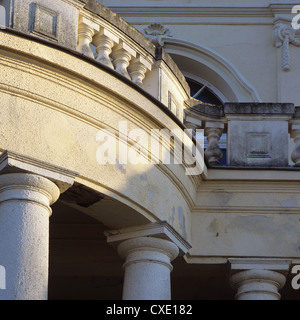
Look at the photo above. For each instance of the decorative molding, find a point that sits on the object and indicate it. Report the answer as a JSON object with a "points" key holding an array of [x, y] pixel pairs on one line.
{"points": [[282, 8], [210, 14], [258, 145], [191, 14], [44, 22], [284, 36], [155, 33]]}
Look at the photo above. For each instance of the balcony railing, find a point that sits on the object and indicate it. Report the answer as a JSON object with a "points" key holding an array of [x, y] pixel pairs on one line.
{"points": [[96, 32], [258, 134], [113, 49]]}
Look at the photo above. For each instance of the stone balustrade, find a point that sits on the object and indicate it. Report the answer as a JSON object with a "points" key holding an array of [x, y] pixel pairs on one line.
{"points": [[88, 27], [258, 134], [115, 44], [112, 49]]}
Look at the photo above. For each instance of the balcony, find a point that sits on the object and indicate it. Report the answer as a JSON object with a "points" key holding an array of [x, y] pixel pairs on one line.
{"points": [[98, 35], [258, 135]]}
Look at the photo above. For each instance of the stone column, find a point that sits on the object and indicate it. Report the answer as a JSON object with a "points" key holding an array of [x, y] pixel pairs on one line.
{"points": [[258, 279], [28, 187], [148, 252], [25, 201], [147, 268]]}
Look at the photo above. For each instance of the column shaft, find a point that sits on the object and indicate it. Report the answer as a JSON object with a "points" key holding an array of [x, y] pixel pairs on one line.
{"points": [[25, 201], [147, 268]]}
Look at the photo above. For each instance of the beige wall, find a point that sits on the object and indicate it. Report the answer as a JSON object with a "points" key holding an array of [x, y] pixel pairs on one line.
{"points": [[239, 31]]}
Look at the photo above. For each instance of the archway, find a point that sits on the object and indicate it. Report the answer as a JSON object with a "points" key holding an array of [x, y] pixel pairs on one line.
{"points": [[207, 64]]}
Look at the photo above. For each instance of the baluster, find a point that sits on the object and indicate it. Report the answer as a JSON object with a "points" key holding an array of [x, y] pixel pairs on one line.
{"points": [[86, 31], [104, 42], [121, 55], [137, 70], [213, 152]]}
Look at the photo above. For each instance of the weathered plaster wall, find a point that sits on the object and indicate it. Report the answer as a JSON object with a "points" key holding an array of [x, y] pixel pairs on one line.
{"points": [[250, 213], [54, 104]]}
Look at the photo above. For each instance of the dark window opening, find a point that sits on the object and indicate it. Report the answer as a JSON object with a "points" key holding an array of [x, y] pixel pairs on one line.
{"points": [[202, 93]]}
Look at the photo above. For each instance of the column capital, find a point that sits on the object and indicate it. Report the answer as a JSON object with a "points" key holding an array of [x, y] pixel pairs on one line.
{"points": [[11, 162], [148, 243], [28, 187], [160, 230], [258, 279]]}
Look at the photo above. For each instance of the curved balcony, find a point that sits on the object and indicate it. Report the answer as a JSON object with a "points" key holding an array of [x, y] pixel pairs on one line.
{"points": [[82, 69]]}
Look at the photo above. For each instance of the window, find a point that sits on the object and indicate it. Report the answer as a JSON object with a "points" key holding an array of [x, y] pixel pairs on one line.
{"points": [[203, 93]]}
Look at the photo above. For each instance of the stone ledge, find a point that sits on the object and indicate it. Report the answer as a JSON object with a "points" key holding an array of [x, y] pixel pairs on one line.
{"points": [[210, 110], [259, 108]]}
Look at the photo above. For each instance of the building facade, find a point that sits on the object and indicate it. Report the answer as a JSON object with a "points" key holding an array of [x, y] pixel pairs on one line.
{"points": [[149, 150]]}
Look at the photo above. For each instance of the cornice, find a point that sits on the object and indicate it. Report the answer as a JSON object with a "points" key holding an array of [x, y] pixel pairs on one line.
{"points": [[219, 14], [282, 8], [290, 174], [217, 10], [198, 14]]}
